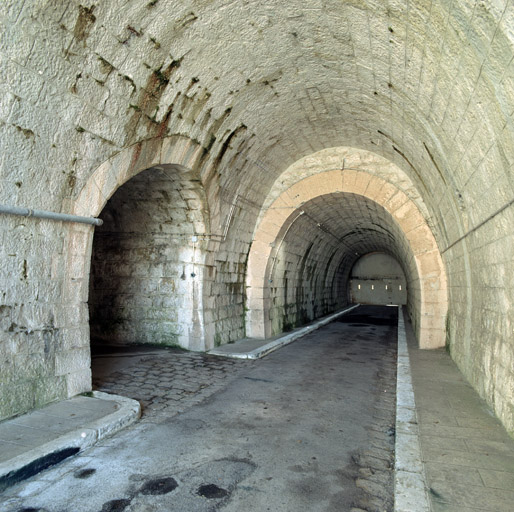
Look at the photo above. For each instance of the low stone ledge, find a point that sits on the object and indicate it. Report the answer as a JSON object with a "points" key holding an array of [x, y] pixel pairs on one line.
{"points": [[409, 481], [269, 346]]}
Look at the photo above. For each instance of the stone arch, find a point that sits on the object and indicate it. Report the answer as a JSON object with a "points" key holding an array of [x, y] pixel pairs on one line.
{"points": [[185, 157], [429, 307], [180, 151]]}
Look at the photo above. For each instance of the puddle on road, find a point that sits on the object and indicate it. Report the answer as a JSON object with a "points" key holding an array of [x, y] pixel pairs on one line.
{"points": [[211, 491], [159, 486], [84, 473]]}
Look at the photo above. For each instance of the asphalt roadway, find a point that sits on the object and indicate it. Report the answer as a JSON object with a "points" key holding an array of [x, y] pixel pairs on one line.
{"points": [[309, 427]]}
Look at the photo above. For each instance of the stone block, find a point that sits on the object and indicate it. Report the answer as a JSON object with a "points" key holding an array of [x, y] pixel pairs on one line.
{"points": [[15, 398], [78, 382], [72, 361]]}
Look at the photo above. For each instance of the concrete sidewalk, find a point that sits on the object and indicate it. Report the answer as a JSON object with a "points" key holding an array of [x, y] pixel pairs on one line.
{"points": [[35, 441], [467, 455], [251, 348]]}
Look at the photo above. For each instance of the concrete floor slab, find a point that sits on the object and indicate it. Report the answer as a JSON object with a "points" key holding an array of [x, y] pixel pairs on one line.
{"points": [[467, 454], [468, 462]]}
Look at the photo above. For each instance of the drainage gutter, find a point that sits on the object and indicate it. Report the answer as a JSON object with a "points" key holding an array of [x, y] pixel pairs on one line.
{"points": [[43, 214]]}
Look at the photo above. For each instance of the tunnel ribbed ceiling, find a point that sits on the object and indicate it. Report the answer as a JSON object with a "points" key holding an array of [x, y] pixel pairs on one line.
{"points": [[360, 225], [352, 224], [261, 84], [257, 85]]}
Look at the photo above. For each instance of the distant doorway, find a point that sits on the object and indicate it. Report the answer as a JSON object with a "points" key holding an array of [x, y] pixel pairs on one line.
{"points": [[377, 278]]}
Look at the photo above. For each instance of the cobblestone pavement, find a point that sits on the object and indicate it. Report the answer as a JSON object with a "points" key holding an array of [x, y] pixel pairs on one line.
{"points": [[164, 381]]}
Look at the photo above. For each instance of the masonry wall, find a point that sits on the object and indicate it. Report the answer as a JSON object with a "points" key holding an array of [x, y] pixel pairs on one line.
{"points": [[428, 87], [378, 279], [147, 274], [301, 277], [44, 350], [481, 319]]}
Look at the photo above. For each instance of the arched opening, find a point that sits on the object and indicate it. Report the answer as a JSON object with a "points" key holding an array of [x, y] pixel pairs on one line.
{"points": [[309, 271], [378, 278], [147, 261], [381, 218], [91, 200]]}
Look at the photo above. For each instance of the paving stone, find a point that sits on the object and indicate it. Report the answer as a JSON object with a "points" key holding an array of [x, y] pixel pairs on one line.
{"points": [[162, 380], [498, 479]]}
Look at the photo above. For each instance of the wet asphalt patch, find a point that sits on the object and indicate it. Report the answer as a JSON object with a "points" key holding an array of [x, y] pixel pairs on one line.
{"points": [[84, 473], [115, 505], [159, 486], [191, 490], [211, 491], [369, 316]]}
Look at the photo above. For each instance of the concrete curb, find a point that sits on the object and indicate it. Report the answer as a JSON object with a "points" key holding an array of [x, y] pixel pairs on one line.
{"points": [[409, 483], [37, 459], [283, 340]]}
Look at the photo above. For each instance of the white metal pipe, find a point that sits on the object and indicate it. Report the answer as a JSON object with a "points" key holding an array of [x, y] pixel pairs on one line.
{"points": [[42, 214]]}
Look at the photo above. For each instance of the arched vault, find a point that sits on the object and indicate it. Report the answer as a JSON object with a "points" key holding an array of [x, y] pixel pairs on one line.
{"points": [[372, 178], [178, 159]]}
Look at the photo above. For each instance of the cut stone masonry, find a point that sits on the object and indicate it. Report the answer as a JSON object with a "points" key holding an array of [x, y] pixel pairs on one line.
{"points": [[392, 120]]}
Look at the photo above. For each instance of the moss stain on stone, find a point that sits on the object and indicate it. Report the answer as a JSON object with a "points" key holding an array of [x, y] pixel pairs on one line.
{"points": [[84, 23], [27, 132]]}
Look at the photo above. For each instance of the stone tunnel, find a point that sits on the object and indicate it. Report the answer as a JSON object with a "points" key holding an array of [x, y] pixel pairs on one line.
{"points": [[245, 157]]}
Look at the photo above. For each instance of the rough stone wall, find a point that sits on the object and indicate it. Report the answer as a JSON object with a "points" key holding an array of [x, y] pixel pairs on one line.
{"points": [[44, 350], [258, 86], [147, 271]]}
